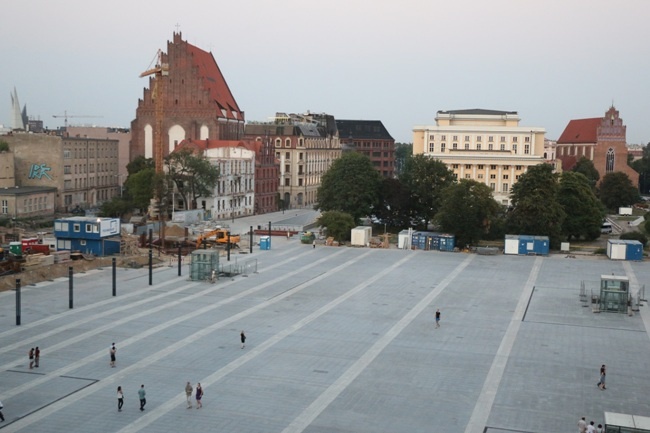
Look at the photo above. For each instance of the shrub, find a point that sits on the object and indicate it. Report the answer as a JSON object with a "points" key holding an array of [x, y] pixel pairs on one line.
{"points": [[637, 236]]}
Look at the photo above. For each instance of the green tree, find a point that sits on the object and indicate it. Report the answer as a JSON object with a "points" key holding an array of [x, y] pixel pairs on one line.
{"points": [[587, 168], [394, 203], [616, 190], [584, 212], [193, 175], [138, 164], [425, 179], [139, 187], [351, 185], [115, 208], [535, 208], [467, 211], [635, 236], [642, 166], [402, 152], [339, 224]]}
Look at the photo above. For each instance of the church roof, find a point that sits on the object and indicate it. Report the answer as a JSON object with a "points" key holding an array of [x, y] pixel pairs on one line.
{"points": [[215, 83], [581, 131]]}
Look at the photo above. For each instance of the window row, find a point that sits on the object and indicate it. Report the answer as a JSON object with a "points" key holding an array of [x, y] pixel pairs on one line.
{"points": [[478, 146]]}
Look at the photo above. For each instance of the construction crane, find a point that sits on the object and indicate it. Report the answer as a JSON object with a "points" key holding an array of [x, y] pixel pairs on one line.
{"points": [[157, 93], [67, 116], [159, 71]]}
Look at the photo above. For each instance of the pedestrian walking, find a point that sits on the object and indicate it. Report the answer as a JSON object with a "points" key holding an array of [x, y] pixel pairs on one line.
{"points": [[582, 425], [242, 337], [313, 244], [199, 395], [603, 373], [438, 318], [37, 356], [2, 417], [600, 429], [31, 358], [188, 394], [112, 351], [120, 399], [591, 428], [141, 395]]}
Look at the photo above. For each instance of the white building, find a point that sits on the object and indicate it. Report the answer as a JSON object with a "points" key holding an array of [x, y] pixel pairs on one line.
{"points": [[488, 146]]}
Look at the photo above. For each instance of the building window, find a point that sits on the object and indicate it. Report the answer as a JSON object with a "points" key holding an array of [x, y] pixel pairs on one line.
{"points": [[454, 166], [443, 137], [526, 139], [287, 155], [76, 227], [455, 138], [278, 142], [505, 176], [478, 146], [503, 138], [468, 167], [478, 138], [493, 167], [442, 147], [481, 167], [431, 147], [492, 186], [514, 148], [480, 175], [490, 138], [505, 187], [466, 146], [454, 146], [89, 228], [287, 142], [506, 167], [518, 167], [503, 146], [66, 169], [526, 149], [609, 161], [467, 138], [490, 147], [468, 176], [5, 206], [493, 176], [286, 182], [514, 139]]}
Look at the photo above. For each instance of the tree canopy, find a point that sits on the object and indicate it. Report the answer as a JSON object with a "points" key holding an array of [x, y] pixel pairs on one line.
{"points": [[586, 167], [616, 190], [402, 152], [351, 185], [467, 210], [338, 224], [394, 207], [425, 179], [584, 212], [193, 175], [535, 208]]}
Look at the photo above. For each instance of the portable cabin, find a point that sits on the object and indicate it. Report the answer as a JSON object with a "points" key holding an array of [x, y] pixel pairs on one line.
{"points": [[624, 249]]}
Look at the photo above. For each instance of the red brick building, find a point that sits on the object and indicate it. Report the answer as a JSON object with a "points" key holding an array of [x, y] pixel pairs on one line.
{"points": [[600, 139], [371, 138], [197, 102]]}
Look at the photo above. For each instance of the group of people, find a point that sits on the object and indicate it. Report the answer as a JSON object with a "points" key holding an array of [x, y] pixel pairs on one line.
{"points": [[583, 427], [34, 357], [198, 395], [141, 396]]}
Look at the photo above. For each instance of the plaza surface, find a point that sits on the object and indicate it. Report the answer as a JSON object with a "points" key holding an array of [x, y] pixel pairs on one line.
{"points": [[339, 340]]}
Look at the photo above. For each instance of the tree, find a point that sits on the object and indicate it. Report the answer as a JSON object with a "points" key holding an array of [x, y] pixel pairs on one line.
{"points": [[115, 208], [587, 168], [351, 185], [193, 175], [138, 164], [535, 208], [616, 190], [425, 179], [402, 152], [584, 212], [338, 224], [467, 211], [642, 166], [635, 236], [139, 187], [394, 203]]}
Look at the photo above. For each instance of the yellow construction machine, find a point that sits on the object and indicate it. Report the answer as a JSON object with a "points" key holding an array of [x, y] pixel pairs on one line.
{"points": [[218, 236]]}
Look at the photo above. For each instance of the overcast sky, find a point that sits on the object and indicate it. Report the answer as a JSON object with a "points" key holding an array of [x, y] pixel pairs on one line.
{"points": [[395, 61]]}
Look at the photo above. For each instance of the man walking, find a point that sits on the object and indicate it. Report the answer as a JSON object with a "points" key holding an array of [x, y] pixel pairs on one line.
{"points": [[141, 394], [31, 358], [2, 417], [582, 425], [112, 351], [242, 337], [438, 318], [188, 394], [37, 356]]}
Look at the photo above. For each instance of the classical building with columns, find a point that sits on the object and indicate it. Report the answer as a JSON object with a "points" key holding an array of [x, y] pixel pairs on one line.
{"points": [[487, 146]]}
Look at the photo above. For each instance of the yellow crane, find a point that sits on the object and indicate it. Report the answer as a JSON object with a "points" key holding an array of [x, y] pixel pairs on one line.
{"points": [[159, 71]]}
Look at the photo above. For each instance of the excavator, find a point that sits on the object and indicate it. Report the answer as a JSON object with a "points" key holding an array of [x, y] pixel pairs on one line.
{"points": [[218, 236]]}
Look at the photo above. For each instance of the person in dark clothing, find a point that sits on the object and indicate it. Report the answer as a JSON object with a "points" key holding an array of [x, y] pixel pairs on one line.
{"points": [[242, 337], [438, 318], [37, 356], [603, 373]]}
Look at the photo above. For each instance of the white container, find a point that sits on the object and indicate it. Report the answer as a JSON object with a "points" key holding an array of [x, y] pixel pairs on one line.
{"points": [[625, 211], [360, 236], [511, 245], [616, 249]]}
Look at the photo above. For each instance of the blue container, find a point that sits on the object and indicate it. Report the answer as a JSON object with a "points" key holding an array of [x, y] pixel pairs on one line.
{"points": [[447, 242], [415, 240], [541, 245], [633, 250], [526, 244], [265, 242], [433, 241]]}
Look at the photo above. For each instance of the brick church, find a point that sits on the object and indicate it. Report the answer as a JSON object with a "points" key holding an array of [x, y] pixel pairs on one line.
{"points": [[197, 103], [600, 139]]}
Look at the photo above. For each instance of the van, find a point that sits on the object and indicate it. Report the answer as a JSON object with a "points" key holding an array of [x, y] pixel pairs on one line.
{"points": [[606, 227]]}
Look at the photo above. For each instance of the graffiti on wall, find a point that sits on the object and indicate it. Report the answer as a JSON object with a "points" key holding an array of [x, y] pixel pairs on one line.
{"points": [[37, 171]]}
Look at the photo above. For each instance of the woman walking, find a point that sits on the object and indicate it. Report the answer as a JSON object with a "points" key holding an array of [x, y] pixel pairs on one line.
{"points": [[603, 373], [120, 399], [242, 337], [199, 395]]}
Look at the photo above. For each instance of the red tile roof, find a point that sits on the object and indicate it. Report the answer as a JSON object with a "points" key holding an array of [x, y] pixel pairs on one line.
{"points": [[214, 81], [581, 131]]}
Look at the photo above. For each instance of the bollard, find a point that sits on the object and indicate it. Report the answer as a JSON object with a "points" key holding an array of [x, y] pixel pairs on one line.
{"points": [[150, 257], [114, 276], [250, 242], [179, 260], [17, 301], [228, 245], [70, 288], [269, 234]]}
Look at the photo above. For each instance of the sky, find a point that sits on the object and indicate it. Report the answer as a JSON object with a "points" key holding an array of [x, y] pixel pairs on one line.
{"points": [[395, 61]]}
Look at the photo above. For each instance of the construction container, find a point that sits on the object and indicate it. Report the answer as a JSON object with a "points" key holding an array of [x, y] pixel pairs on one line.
{"points": [[265, 242], [527, 245], [624, 249], [402, 239], [16, 248], [360, 236], [447, 242]]}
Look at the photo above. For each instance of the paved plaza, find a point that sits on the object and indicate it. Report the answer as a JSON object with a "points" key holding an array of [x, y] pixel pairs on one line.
{"points": [[340, 339]]}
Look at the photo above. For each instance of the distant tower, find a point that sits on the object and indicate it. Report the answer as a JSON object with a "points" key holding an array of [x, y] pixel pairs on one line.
{"points": [[18, 116]]}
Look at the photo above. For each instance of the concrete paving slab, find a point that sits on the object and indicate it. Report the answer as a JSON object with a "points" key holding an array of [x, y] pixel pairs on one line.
{"points": [[339, 340]]}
